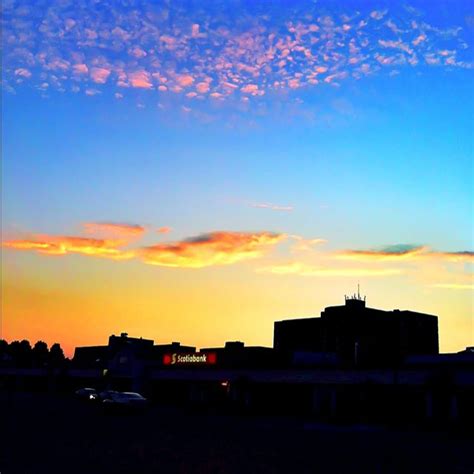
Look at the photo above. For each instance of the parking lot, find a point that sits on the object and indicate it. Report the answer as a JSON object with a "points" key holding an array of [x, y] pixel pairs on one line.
{"points": [[58, 434]]}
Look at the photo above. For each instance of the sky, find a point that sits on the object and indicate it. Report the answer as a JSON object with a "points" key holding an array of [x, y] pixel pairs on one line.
{"points": [[193, 171]]}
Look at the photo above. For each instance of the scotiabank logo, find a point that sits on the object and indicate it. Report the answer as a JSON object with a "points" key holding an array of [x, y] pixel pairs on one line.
{"points": [[207, 358]]}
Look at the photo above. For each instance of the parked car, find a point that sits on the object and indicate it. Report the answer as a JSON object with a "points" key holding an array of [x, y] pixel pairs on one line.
{"points": [[106, 394], [125, 401], [87, 394]]}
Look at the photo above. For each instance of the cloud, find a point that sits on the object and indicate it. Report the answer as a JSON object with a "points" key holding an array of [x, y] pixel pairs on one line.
{"points": [[137, 52], [392, 252], [202, 87], [164, 230], [461, 256], [302, 244], [419, 39], [140, 79], [215, 248], [378, 14], [273, 207], [454, 286], [182, 47], [406, 252], [63, 245], [100, 75], [80, 68], [185, 80], [92, 92], [304, 269], [250, 89], [113, 228], [22, 72]]}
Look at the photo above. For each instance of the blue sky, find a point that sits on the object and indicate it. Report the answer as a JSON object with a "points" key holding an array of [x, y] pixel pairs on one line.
{"points": [[388, 156]]}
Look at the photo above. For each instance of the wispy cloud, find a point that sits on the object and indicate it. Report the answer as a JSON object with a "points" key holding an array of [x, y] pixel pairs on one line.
{"points": [[113, 228], [113, 241], [302, 244], [273, 207], [215, 248], [63, 245], [461, 256], [392, 252], [454, 286], [406, 252], [308, 270]]}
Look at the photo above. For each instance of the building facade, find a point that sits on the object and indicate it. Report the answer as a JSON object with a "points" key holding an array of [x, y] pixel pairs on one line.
{"points": [[359, 336]]}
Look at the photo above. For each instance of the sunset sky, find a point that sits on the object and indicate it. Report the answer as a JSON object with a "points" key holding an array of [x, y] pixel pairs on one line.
{"points": [[195, 170]]}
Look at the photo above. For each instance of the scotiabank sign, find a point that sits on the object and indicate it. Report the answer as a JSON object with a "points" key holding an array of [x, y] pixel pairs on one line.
{"points": [[191, 358]]}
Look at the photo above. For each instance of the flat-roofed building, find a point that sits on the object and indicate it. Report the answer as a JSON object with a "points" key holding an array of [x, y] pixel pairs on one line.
{"points": [[360, 335]]}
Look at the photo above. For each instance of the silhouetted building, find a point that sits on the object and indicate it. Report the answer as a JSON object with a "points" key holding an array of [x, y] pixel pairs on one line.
{"points": [[174, 348], [236, 355], [123, 352], [90, 357], [461, 358], [117, 343], [358, 335]]}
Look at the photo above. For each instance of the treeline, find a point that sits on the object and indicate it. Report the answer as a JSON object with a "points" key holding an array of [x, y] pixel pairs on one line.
{"points": [[21, 354]]}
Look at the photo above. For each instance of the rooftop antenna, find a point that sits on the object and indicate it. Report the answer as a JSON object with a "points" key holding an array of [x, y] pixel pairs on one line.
{"points": [[358, 291]]}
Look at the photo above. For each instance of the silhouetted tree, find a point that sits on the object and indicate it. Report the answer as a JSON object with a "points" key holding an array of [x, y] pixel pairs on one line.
{"points": [[40, 354], [21, 353], [4, 352], [56, 355]]}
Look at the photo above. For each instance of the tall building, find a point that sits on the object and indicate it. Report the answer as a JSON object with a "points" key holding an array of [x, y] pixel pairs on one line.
{"points": [[358, 335]]}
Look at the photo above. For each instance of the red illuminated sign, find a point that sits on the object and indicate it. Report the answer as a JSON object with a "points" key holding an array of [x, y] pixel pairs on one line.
{"points": [[191, 358]]}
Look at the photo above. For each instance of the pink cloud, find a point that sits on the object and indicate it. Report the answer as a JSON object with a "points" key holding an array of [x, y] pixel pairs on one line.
{"points": [[168, 40], [80, 69], [321, 69], [250, 89], [378, 14], [140, 79], [293, 83], [185, 80], [195, 30], [58, 64], [419, 39], [100, 75], [202, 87], [22, 72], [181, 56], [138, 52], [121, 33], [113, 228]]}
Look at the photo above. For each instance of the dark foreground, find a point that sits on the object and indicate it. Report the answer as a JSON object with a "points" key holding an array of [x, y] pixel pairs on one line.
{"points": [[56, 434]]}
